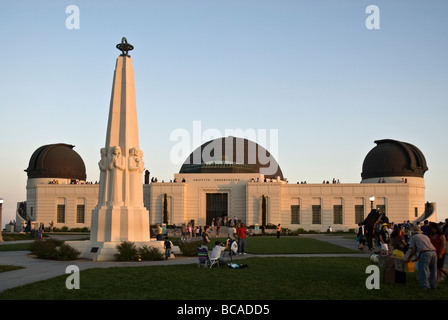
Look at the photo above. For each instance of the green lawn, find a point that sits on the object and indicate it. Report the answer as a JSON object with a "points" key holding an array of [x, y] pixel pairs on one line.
{"points": [[289, 245], [5, 268], [280, 278], [15, 247], [264, 279]]}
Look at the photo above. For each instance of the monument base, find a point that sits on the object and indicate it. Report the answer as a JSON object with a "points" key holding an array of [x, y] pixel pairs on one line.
{"points": [[105, 251], [116, 223]]}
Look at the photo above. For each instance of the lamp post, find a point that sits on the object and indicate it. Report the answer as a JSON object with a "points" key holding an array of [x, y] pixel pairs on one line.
{"points": [[1, 207], [371, 198]]}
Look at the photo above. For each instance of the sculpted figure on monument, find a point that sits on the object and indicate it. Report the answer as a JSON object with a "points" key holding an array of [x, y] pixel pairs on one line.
{"points": [[136, 167], [115, 183], [135, 160], [102, 164]]}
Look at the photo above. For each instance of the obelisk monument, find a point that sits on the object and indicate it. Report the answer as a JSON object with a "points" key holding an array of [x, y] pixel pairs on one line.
{"points": [[120, 214]]}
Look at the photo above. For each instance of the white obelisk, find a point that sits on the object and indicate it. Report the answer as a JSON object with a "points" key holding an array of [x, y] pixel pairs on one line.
{"points": [[120, 214]]}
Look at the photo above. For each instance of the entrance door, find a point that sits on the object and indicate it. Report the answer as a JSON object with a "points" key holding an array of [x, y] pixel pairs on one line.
{"points": [[216, 207]]}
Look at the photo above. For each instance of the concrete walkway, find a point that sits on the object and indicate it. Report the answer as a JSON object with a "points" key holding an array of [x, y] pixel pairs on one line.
{"points": [[38, 269]]}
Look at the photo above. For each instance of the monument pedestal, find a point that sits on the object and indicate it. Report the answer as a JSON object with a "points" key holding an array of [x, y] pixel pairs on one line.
{"points": [[115, 224]]}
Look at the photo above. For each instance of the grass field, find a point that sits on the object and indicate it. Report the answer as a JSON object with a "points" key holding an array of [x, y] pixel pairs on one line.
{"points": [[264, 279], [268, 278], [291, 245]]}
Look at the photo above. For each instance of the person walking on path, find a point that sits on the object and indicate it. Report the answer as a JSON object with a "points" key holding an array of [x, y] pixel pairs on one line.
{"points": [[167, 246], [361, 237]]}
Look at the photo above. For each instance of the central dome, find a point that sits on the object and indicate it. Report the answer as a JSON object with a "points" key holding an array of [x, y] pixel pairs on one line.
{"points": [[232, 155]]}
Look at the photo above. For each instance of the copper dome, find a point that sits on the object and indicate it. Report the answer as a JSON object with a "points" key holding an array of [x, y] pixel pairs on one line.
{"points": [[56, 161], [391, 158], [232, 155]]}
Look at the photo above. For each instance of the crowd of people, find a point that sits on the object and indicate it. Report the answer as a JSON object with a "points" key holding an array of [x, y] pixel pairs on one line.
{"points": [[423, 243], [54, 181], [236, 233]]}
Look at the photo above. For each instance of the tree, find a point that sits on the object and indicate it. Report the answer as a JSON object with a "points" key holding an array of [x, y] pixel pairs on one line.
{"points": [[165, 209], [263, 211]]}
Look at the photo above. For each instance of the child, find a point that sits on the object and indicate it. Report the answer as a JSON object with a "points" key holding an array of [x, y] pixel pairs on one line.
{"points": [[167, 246], [384, 239]]}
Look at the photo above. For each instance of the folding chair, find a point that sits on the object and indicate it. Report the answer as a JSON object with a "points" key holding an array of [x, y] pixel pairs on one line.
{"points": [[203, 257], [214, 262], [218, 260]]}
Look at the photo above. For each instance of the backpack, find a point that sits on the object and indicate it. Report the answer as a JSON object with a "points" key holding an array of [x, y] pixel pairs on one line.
{"points": [[234, 247]]}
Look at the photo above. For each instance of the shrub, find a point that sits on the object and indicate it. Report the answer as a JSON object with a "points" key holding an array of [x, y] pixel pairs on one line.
{"points": [[84, 229], [45, 249], [150, 253], [127, 251], [188, 248], [65, 252], [53, 249]]}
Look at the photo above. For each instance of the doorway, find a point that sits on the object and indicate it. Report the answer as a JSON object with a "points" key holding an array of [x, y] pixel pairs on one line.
{"points": [[216, 207]]}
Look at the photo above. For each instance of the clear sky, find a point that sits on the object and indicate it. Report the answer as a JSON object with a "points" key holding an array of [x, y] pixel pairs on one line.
{"points": [[310, 69]]}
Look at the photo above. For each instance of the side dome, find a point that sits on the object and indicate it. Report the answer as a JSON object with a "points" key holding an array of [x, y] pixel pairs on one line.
{"points": [[56, 161], [232, 155], [391, 158]]}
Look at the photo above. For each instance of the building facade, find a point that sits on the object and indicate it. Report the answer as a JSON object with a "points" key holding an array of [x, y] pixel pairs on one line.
{"points": [[215, 184]]}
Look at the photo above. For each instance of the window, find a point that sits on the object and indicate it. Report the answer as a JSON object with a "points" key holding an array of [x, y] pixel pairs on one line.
{"points": [[80, 209], [317, 214], [381, 208], [416, 212], [61, 213], [359, 213], [337, 214], [295, 214]]}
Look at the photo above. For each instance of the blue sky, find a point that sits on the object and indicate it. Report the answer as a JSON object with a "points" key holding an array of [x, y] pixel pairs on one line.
{"points": [[309, 69]]}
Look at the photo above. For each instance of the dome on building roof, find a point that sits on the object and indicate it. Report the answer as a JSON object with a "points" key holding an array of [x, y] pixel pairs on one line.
{"points": [[391, 158], [232, 155], [56, 161]]}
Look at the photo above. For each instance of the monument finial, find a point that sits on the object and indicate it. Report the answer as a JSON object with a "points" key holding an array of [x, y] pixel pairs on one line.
{"points": [[124, 47]]}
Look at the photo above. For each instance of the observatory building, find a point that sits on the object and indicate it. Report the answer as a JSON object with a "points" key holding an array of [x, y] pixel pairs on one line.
{"points": [[217, 189]]}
